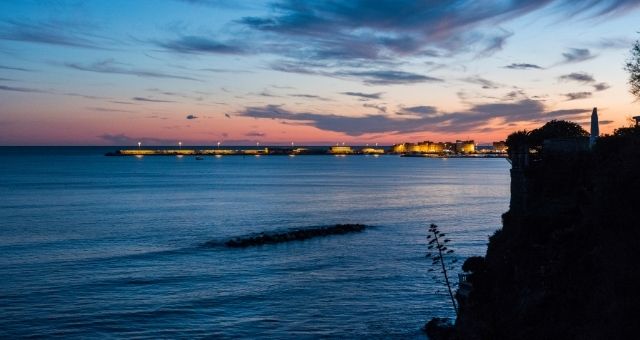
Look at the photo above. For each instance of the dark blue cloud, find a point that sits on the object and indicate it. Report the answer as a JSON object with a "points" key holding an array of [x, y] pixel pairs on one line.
{"points": [[70, 34], [113, 67], [523, 66], [377, 95], [122, 139], [484, 83], [580, 77], [198, 44], [151, 100], [387, 77], [422, 110], [20, 89], [12, 68], [601, 86], [576, 55], [425, 118], [578, 95], [386, 29]]}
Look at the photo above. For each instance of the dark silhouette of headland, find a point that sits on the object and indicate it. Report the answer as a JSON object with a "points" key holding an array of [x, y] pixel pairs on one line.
{"points": [[565, 263]]}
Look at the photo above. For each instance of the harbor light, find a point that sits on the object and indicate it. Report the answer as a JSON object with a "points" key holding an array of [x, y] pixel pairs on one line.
{"points": [[139, 143], [218, 145], [180, 145]]}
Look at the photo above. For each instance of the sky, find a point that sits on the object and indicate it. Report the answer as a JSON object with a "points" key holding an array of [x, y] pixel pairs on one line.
{"points": [[308, 72]]}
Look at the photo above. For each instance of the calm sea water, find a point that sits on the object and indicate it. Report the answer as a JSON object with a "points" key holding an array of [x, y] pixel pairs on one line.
{"points": [[112, 247]]}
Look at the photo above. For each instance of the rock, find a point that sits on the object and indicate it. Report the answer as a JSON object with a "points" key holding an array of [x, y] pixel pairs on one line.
{"points": [[292, 235], [439, 329]]}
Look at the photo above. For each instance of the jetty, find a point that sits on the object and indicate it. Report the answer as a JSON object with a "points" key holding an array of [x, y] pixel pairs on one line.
{"points": [[290, 235], [340, 151]]}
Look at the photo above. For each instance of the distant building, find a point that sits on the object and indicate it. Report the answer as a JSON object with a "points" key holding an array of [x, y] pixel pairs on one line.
{"points": [[500, 147], [637, 119], [422, 147], [465, 146], [372, 151], [340, 150], [485, 148]]}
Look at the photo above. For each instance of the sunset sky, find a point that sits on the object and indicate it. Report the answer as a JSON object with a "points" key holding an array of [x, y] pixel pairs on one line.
{"points": [[310, 72]]}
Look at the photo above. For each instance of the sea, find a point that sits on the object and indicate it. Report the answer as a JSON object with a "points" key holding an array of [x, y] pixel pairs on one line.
{"points": [[112, 247]]}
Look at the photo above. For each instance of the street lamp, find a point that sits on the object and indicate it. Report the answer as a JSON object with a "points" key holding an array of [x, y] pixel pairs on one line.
{"points": [[180, 145], [139, 143], [218, 145]]}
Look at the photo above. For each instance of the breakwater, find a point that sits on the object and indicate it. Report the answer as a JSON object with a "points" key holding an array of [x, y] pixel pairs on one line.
{"points": [[292, 152], [289, 235]]}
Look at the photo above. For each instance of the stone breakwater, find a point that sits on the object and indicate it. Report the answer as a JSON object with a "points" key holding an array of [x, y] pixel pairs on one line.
{"points": [[290, 235]]}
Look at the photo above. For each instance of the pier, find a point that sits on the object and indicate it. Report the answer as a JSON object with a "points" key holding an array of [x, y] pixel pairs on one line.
{"points": [[284, 151]]}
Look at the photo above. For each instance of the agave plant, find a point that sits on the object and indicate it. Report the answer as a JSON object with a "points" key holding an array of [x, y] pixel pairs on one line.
{"points": [[440, 255]]}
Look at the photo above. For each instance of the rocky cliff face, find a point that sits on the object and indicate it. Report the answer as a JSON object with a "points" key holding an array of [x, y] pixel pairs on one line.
{"points": [[567, 264]]}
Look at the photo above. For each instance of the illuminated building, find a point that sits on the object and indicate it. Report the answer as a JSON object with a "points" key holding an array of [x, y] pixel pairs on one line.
{"points": [[465, 146], [500, 147], [372, 151], [340, 150]]}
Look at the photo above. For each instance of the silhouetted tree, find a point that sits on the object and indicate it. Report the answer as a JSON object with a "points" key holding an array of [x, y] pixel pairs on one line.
{"points": [[633, 67], [516, 140], [438, 251], [553, 129], [556, 129]]}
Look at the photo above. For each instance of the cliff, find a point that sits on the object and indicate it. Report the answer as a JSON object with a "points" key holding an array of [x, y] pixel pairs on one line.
{"points": [[565, 263]]}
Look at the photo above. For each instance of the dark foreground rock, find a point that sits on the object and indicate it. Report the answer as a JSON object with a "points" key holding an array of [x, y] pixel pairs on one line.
{"points": [[565, 264], [439, 329], [292, 235]]}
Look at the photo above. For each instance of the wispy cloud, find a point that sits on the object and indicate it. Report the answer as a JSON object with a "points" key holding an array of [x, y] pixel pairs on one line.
{"points": [[144, 99], [13, 68], [484, 83], [122, 139], [200, 44], [20, 89], [376, 95], [422, 110], [601, 87], [110, 66], [578, 95], [53, 32], [578, 77], [523, 66], [477, 117], [105, 109], [387, 77], [308, 96], [255, 134], [378, 107], [576, 55]]}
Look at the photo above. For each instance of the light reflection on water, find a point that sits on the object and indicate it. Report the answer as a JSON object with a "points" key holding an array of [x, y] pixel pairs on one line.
{"points": [[106, 246]]}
